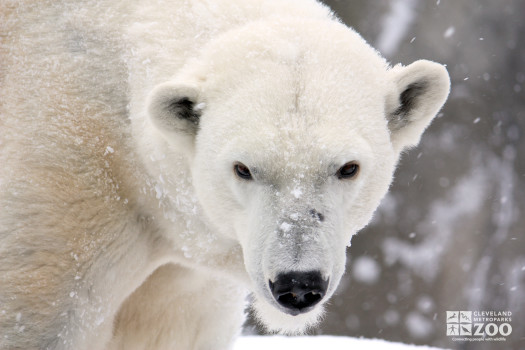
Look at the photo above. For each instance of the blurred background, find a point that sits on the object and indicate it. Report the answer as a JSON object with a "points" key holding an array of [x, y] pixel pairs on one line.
{"points": [[451, 233]]}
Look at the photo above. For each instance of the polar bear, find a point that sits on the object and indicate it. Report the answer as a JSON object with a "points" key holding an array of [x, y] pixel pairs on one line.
{"points": [[163, 159]]}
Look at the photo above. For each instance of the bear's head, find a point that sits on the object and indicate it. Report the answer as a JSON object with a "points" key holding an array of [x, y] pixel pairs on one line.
{"points": [[293, 130]]}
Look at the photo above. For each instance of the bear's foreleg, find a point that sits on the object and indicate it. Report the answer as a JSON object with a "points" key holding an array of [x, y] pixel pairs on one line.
{"points": [[179, 308]]}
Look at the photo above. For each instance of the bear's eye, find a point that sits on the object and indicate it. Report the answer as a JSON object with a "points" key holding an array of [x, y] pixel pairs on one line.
{"points": [[348, 171], [242, 171]]}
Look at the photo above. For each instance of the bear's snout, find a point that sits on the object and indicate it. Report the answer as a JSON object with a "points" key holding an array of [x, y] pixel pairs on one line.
{"points": [[298, 292]]}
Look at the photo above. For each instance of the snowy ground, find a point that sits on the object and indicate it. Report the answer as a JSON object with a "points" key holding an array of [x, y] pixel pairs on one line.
{"points": [[319, 342]]}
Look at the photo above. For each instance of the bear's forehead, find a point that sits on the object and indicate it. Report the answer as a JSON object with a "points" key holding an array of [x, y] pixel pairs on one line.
{"points": [[307, 81], [299, 99], [288, 116], [321, 61]]}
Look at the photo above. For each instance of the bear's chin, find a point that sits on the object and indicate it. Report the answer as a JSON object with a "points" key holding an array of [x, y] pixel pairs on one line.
{"points": [[276, 321]]}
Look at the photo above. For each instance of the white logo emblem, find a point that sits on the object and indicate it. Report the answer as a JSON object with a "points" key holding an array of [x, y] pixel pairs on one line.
{"points": [[480, 325]]}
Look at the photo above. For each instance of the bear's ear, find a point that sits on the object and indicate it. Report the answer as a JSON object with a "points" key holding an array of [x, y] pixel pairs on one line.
{"points": [[420, 90], [175, 110]]}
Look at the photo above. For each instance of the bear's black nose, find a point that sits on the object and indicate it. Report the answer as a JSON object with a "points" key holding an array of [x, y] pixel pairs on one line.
{"points": [[297, 291]]}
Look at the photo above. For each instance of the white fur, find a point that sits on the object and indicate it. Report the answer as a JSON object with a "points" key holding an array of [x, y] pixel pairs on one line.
{"points": [[121, 228]]}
